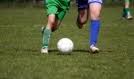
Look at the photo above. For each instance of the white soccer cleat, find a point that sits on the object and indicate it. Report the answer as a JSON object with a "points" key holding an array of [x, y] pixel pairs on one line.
{"points": [[94, 49], [129, 17], [44, 50]]}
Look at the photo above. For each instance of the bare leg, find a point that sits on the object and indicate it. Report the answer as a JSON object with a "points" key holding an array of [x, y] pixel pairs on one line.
{"points": [[95, 10], [82, 17]]}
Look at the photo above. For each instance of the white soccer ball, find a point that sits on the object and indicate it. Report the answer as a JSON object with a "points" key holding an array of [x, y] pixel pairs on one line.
{"points": [[65, 45]]}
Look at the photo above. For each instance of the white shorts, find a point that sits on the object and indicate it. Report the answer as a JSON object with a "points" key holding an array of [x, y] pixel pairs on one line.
{"points": [[95, 1]]}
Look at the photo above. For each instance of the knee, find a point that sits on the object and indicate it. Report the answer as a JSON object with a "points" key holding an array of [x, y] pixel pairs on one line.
{"points": [[51, 23], [95, 11], [95, 15]]}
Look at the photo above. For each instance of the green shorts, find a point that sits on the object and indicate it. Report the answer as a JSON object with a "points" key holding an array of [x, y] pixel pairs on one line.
{"points": [[57, 7], [127, 0]]}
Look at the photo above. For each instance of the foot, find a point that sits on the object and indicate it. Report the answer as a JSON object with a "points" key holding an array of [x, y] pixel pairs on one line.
{"points": [[128, 17], [94, 49], [44, 50]]}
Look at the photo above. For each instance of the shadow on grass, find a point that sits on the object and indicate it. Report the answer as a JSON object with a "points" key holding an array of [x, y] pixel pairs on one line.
{"points": [[37, 51], [75, 50]]}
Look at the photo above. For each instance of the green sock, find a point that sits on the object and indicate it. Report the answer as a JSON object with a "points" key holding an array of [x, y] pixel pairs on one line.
{"points": [[124, 12], [46, 36], [127, 11]]}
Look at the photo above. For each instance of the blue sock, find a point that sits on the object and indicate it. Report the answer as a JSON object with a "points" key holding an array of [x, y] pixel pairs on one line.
{"points": [[94, 31]]}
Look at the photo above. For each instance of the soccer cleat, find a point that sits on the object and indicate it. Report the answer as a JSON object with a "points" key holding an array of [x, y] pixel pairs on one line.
{"points": [[94, 49], [44, 50], [129, 17]]}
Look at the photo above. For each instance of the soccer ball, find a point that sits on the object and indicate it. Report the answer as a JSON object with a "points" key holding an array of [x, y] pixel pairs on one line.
{"points": [[65, 45]]}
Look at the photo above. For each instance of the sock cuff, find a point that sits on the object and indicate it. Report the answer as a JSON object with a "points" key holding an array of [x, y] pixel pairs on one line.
{"points": [[47, 27], [95, 20]]}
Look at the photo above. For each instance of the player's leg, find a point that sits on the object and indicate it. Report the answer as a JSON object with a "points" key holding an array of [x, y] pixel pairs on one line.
{"points": [[51, 23], [82, 17], [59, 18], [82, 12], [126, 10], [55, 16], [63, 7], [95, 10], [47, 31]]}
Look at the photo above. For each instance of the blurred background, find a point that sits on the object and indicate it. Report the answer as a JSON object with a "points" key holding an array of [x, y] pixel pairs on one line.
{"points": [[38, 3]]}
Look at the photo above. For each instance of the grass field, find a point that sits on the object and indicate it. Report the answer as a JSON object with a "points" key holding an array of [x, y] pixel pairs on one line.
{"points": [[20, 43]]}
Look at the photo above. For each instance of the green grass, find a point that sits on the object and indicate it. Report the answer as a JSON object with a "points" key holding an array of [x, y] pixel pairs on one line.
{"points": [[20, 43]]}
